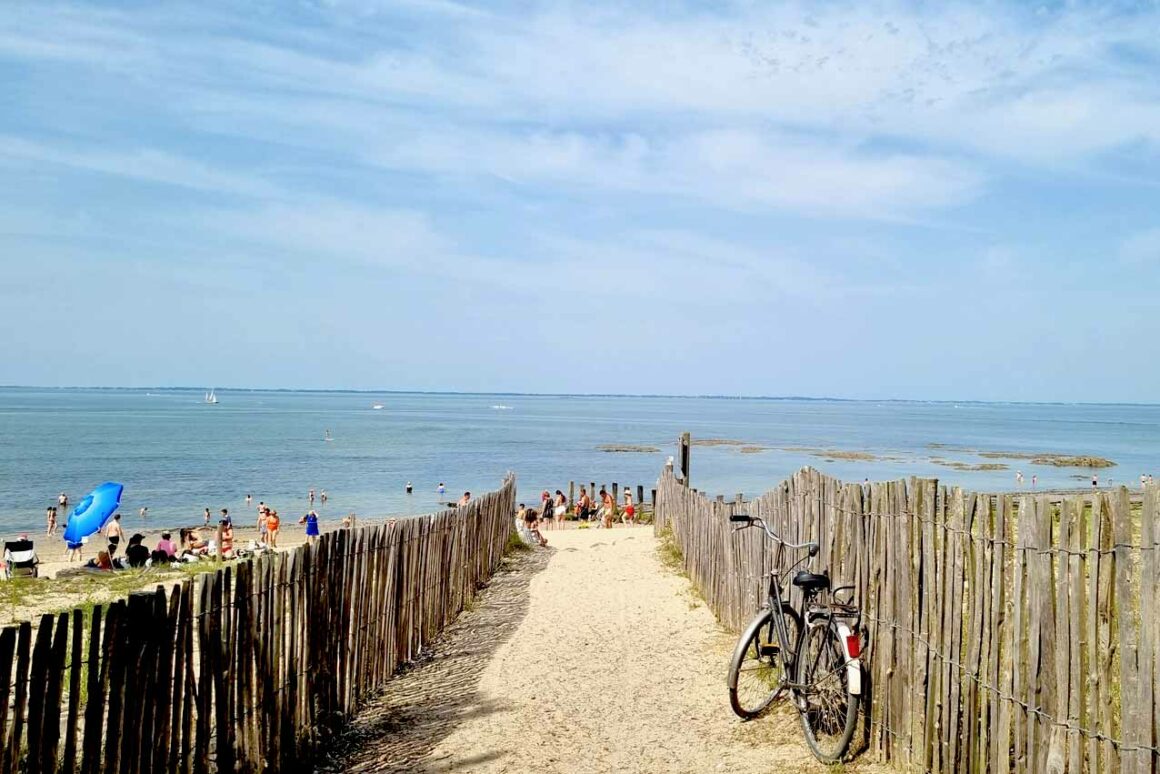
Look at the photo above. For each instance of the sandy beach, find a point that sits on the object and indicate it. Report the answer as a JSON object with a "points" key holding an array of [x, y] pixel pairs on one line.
{"points": [[588, 656]]}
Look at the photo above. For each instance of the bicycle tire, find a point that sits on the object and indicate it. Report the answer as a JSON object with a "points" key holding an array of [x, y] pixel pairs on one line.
{"points": [[828, 711], [755, 672]]}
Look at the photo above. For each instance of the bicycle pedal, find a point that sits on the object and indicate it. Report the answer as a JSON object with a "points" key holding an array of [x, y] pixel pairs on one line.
{"points": [[770, 650]]}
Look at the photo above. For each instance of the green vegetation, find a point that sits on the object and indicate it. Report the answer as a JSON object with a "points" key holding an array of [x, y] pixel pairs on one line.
{"points": [[670, 553], [515, 544]]}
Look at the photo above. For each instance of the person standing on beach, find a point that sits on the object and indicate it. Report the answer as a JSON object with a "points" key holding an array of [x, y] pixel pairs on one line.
{"points": [[114, 533], [73, 551], [311, 522], [50, 517], [272, 525], [608, 509], [629, 509], [546, 512], [262, 524], [206, 517], [583, 505], [561, 509]]}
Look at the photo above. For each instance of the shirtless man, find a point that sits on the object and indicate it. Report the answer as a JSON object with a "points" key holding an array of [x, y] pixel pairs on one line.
{"points": [[114, 533]]}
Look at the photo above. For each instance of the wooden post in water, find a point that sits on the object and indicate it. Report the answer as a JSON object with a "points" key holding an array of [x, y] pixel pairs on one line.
{"points": [[683, 448], [640, 494], [571, 494], [616, 493]]}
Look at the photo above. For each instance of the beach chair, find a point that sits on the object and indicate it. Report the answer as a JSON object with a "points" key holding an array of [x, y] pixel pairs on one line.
{"points": [[20, 558]]}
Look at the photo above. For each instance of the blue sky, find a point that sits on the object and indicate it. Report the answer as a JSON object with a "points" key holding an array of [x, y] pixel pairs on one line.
{"points": [[844, 199]]}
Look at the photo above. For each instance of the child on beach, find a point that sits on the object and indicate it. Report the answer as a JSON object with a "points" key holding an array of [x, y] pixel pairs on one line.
{"points": [[529, 516], [629, 509], [50, 516]]}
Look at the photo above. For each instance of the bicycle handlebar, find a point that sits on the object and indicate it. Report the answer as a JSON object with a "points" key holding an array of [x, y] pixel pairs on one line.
{"points": [[750, 521]]}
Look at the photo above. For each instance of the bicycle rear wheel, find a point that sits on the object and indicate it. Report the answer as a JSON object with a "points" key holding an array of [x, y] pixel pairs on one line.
{"points": [[828, 710], [756, 677]]}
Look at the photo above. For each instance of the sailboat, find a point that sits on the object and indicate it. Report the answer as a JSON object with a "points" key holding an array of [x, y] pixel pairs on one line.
{"points": [[211, 397]]}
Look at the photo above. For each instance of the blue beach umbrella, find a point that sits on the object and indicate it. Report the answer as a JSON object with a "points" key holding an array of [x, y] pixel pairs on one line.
{"points": [[93, 512]]}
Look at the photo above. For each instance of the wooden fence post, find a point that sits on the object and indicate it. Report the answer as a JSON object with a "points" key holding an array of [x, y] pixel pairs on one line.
{"points": [[684, 446]]}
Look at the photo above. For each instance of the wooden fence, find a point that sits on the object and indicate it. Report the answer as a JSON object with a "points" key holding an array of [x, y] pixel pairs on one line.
{"points": [[1006, 632], [246, 669]]}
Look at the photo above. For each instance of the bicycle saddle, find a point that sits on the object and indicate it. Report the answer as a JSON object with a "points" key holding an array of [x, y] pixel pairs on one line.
{"points": [[811, 582]]}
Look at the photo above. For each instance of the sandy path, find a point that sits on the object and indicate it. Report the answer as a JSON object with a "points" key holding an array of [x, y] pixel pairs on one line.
{"points": [[588, 657]]}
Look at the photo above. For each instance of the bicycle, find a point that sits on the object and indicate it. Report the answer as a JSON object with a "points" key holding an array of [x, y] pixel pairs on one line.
{"points": [[818, 664]]}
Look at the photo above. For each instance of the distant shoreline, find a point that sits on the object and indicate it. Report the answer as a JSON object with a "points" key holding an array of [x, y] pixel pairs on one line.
{"points": [[672, 396]]}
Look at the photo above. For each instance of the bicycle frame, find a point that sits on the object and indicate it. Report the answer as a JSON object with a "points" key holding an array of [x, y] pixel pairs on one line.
{"points": [[807, 615]]}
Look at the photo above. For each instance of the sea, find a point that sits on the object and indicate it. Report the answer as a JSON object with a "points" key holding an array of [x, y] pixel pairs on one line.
{"points": [[176, 455]]}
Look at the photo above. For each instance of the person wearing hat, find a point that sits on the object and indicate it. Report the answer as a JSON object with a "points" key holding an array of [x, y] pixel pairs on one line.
{"points": [[136, 555]]}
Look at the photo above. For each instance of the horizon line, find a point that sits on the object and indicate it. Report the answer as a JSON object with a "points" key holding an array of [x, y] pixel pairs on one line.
{"points": [[705, 396]]}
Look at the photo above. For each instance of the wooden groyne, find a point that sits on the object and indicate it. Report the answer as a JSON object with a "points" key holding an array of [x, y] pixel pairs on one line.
{"points": [[1006, 632], [249, 668]]}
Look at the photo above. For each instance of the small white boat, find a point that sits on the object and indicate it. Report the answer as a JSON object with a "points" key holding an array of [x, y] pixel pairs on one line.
{"points": [[502, 407], [377, 407], [211, 397]]}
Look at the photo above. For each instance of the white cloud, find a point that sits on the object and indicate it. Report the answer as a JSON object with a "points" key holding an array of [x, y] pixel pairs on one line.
{"points": [[145, 164]]}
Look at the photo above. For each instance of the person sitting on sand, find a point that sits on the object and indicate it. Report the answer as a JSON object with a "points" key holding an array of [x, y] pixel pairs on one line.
{"points": [[272, 525], [165, 550], [530, 520], [311, 522], [167, 545], [136, 554], [192, 546], [102, 562]]}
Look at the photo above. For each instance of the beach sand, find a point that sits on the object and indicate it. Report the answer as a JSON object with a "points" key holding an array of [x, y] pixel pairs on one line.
{"points": [[588, 656]]}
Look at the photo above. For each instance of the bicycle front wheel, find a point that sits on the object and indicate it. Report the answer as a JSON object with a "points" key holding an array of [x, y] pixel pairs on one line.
{"points": [[756, 676], [828, 710]]}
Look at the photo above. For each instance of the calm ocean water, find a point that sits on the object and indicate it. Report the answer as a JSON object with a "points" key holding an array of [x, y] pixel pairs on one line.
{"points": [[177, 455]]}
